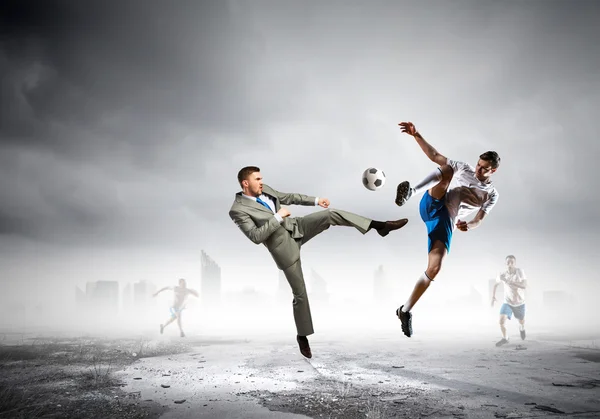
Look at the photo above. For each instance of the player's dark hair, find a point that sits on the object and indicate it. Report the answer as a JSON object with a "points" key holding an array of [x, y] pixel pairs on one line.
{"points": [[245, 172], [492, 157], [511, 257]]}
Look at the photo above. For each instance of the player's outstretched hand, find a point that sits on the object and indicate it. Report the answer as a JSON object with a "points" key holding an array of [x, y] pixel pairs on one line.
{"points": [[408, 128], [462, 225], [324, 202], [493, 300]]}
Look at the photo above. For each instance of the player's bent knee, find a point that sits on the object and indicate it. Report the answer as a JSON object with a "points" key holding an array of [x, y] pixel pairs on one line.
{"points": [[300, 295], [433, 271]]}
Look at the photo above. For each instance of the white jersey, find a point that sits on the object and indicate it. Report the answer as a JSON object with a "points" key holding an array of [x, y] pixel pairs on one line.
{"points": [[513, 295], [180, 296], [467, 194]]}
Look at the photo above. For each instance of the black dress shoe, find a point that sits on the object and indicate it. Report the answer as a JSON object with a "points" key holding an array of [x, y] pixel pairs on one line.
{"points": [[391, 226], [304, 346]]}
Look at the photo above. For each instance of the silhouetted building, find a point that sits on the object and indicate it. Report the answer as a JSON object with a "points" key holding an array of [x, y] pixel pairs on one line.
{"points": [[210, 291], [80, 297], [103, 296], [89, 290], [142, 294], [382, 292], [127, 298]]}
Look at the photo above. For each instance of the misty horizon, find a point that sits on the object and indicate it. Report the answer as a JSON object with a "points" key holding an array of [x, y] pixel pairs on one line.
{"points": [[123, 128]]}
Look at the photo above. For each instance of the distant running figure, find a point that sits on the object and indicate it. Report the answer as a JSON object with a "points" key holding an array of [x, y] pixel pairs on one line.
{"points": [[515, 283], [181, 293], [441, 205]]}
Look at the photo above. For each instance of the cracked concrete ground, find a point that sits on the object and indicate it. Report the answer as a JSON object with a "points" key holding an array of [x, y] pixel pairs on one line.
{"points": [[379, 376]]}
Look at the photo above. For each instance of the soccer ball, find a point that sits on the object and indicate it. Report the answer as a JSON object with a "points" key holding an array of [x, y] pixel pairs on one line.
{"points": [[373, 179]]}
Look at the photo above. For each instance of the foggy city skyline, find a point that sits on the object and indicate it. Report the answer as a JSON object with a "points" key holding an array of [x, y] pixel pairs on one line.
{"points": [[123, 127]]}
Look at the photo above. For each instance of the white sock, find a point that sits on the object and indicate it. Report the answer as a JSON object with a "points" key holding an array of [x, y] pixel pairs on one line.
{"points": [[430, 181], [420, 287], [521, 327]]}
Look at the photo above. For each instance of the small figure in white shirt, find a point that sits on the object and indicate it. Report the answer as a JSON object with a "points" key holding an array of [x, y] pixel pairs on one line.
{"points": [[181, 293], [515, 283]]}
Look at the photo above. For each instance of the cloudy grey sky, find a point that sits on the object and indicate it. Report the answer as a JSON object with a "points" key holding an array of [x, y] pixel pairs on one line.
{"points": [[123, 126]]}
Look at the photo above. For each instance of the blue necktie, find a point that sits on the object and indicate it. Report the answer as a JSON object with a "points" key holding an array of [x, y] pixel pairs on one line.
{"points": [[263, 203]]}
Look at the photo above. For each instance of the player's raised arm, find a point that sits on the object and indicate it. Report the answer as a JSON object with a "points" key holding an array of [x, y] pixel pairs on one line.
{"points": [[433, 155], [295, 198], [161, 290]]}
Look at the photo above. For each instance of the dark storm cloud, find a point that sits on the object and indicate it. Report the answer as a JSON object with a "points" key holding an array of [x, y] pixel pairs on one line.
{"points": [[119, 119], [113, 86], [77, 63]]}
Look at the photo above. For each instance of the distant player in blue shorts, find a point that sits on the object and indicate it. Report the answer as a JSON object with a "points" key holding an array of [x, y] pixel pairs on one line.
{"points": [[444, 207], [515, 283], [181, 293]]}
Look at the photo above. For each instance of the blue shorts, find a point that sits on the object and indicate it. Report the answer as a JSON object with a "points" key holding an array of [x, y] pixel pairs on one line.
{"points": [[508, 310], [175, 311], [437, 219]]}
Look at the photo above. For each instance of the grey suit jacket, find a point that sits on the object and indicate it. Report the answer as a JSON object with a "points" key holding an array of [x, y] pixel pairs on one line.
{"points": [[260, 225]]}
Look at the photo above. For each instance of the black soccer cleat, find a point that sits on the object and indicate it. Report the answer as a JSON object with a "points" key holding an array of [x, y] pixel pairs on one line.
{"points": [[523, 334], [403, 193], [502, 342], [406, 320]]}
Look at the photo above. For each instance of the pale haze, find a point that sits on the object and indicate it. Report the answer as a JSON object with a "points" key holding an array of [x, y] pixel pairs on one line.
{"points": [[123, 126]]}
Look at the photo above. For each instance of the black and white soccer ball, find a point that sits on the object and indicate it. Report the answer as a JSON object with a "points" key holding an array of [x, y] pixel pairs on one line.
{"points": [[373, 179]]}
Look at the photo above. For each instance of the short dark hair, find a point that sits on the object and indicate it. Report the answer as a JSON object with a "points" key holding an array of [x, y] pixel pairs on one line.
{"points": [[492, 157], [510, 257], [245, 172]]}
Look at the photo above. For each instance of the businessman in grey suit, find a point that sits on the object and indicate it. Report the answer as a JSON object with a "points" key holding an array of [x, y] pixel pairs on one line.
{"points": [[257, 211]]}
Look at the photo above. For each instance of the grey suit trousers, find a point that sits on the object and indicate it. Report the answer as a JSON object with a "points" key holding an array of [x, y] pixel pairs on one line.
{"points": [[312, 225]]}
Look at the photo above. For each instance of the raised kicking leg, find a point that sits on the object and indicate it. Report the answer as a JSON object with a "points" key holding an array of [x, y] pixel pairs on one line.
{"points": [[436, 181], [314, 224]]}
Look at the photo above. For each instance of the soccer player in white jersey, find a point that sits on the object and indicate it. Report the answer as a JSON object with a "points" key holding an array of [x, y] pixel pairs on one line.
{"points": [[515, 283], [180, 294], [452, 191]]}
